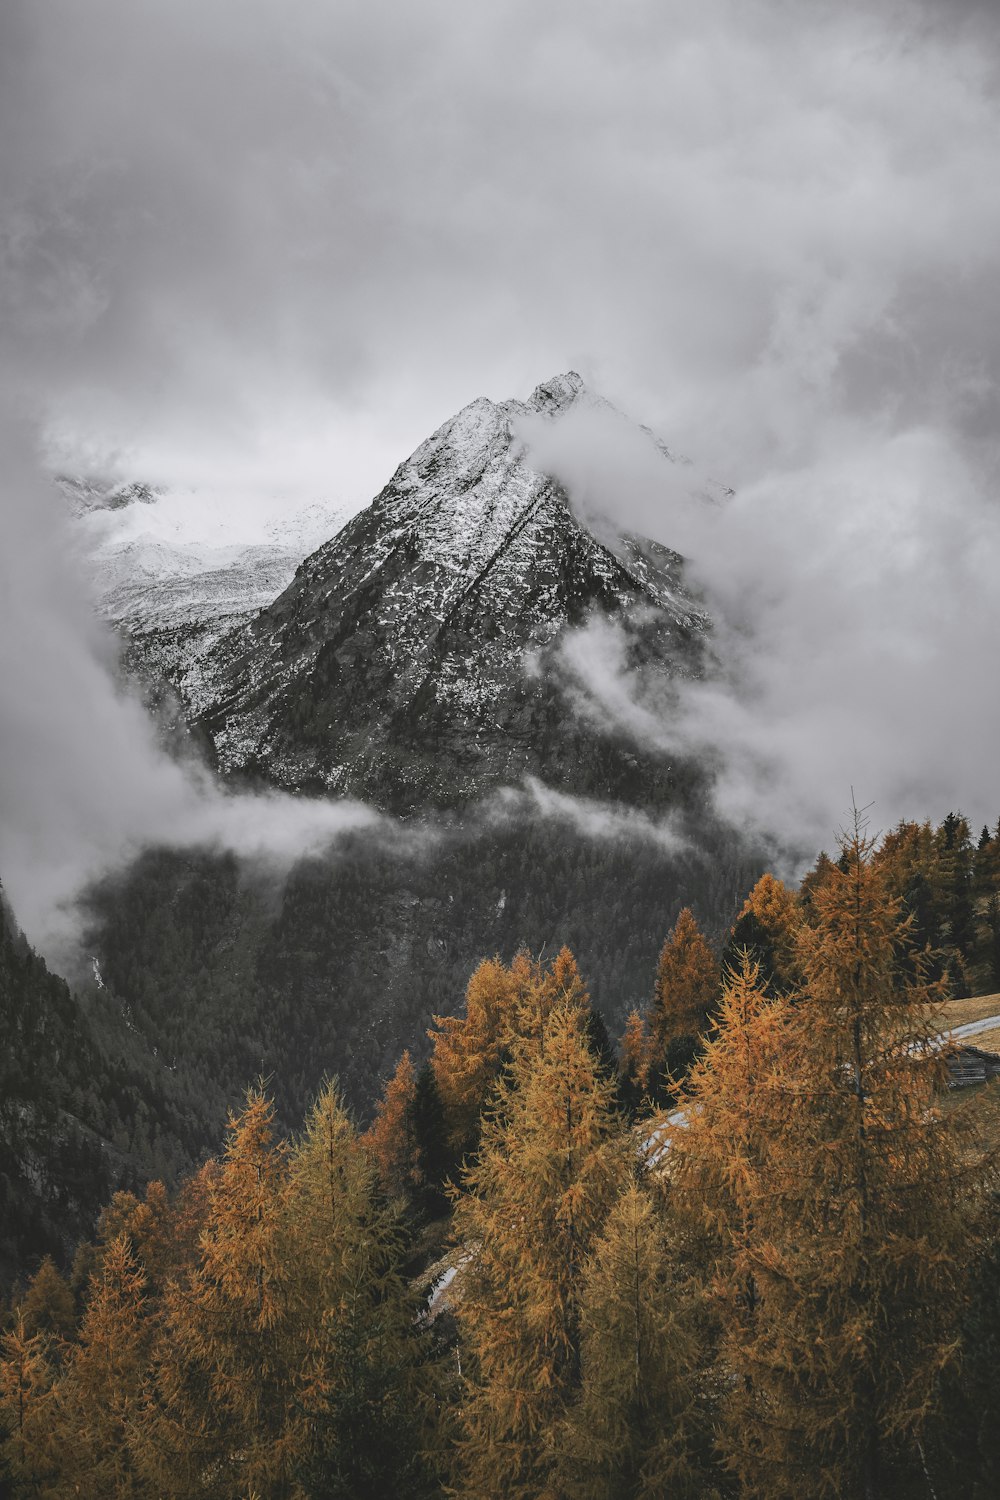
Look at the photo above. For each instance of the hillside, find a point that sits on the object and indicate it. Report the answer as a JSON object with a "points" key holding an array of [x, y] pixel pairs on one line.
{"points": [[84, 1107], [417, 661]]}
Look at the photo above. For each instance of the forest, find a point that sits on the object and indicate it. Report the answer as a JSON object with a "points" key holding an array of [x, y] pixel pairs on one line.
{"points": [[754, 1251]]}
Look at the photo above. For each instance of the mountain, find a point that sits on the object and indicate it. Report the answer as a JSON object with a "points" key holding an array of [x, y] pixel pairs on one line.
{"points": [[173, 570], [84, 1107], [415, 659], [420, 660]]}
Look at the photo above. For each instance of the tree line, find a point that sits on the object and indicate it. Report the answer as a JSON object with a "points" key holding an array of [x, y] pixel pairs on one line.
{"points": [[756, 1254]]}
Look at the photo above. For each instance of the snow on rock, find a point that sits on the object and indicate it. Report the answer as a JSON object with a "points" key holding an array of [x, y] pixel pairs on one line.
{"points": [[411, 636], [175, 569], [409, 656]]}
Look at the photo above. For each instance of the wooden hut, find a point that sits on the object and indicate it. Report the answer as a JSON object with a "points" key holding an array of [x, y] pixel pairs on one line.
{"points": [[968, 1065]]}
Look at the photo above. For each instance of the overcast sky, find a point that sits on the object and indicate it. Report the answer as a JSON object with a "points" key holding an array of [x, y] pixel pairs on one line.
{"points": [[276, 242], [294, 236]]}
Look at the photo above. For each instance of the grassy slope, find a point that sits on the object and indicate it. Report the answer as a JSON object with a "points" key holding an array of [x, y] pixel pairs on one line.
{"points": [[975, 1008]]}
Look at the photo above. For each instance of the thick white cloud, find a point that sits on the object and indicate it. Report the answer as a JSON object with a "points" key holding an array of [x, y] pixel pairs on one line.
{"points": [[297, 235]]}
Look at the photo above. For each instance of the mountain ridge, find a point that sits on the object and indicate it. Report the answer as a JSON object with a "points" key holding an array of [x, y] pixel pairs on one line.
{"points": [[467, 556]]}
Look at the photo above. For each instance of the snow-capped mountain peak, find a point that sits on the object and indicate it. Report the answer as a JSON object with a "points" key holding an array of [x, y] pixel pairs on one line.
{"points": [[413, 656]]}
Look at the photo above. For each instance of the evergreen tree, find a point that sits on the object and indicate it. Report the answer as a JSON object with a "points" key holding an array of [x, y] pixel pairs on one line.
{"points": [[364, 1382], [993, 940], [390, 1140], [634, 1431], [687, 989], [964, 1443], [27, 1459], [433, 1158], [550, 1167], [225, 1420], [953, 842], [860, 1277]]}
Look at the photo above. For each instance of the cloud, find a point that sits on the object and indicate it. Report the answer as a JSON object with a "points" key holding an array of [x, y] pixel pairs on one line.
{"points": [[278, 243], [588, 816], [84, 785], [294, 236], [855, 616]]}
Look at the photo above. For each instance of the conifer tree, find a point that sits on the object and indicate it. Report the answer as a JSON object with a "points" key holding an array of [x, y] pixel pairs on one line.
{"points": [[433, 1159], [687, 989], [389, 1140], [364, 1382], [634, 1065], [726, 1178], [225, 1422], [468, 1050], [163, 1233], [501, 1005], [966, 1442], [47, 1305], [550, 1166], [27, 1374], [99, 1410], [562, 983], [541, 991], [854, 1219], [633, 1432], [766, 928], [865, 1274]]}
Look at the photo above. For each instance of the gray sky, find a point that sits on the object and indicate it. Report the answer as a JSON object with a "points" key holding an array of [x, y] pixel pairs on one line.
{"points": [[294, 236], [278, 241]]}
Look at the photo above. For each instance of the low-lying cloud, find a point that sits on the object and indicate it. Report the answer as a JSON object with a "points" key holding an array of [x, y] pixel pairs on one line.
{"points": [[590, 818], [855, 612], [84, 783]]}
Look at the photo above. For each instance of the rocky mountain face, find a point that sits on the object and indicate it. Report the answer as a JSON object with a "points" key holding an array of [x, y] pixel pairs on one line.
{"points": [[175, 570], [414, 659], [418, 659]]}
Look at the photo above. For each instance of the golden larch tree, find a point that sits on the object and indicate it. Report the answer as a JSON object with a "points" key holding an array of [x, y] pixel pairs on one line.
{"points": [[551, 1164], [635, 1431], [468, 1049], [363, 1383], [634, 1060], [27, 1375], [726, 1174], [389, 1139], [686, 991], [225, 1403], [100, 1409], [865, 1268], [767, 928], [48, 1305], [844, 1224]]}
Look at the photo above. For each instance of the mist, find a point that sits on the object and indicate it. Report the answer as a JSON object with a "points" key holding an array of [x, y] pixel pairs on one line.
{"points": [[855, 619], [84, 782], [261, 247], [587, 816]]}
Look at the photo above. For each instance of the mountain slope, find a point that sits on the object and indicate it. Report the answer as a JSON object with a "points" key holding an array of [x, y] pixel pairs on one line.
{"points": [[84, 1107], [424, 659], [173, 570], [414, 659]]}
